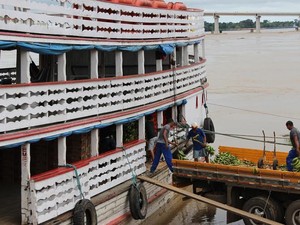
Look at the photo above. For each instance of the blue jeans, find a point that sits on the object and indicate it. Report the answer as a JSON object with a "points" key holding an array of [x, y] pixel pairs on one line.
{"points": [[292, 154], [166, 151]]}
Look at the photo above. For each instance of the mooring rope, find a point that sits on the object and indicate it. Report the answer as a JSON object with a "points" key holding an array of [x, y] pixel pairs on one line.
{"points": [[254, 111], [133, 173], [249, 137], [77, 177]]}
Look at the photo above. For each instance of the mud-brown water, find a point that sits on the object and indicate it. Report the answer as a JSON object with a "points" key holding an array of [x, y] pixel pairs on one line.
{"points": [[254, 86]]}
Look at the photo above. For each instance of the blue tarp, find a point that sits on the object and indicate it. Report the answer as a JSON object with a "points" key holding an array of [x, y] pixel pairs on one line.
{"points": [[58, 49]]}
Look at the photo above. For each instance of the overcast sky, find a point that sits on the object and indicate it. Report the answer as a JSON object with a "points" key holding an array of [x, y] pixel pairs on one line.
{"points": [[246, 6]]}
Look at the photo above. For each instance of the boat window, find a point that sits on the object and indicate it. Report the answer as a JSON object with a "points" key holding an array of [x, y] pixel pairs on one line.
{"points": [[130, 67], [107, 139], [44, 156], [130, 132], [78, 147], [78, 65]]}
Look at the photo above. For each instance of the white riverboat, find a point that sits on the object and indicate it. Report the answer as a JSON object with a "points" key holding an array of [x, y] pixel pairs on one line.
{"points": [[84, 70]]}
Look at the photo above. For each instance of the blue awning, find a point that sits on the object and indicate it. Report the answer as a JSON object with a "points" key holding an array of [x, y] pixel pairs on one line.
{"points": [[58, 49]]}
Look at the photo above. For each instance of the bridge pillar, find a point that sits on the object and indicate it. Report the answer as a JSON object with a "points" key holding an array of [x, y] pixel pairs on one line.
{"points": [[258, 23], [216, 30]]}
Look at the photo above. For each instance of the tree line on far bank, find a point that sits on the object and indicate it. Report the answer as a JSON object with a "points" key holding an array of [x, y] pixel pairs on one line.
{"points": [[248, 24]]}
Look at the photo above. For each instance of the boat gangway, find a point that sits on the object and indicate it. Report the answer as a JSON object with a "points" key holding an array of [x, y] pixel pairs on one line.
{"points": [[208, 201]]}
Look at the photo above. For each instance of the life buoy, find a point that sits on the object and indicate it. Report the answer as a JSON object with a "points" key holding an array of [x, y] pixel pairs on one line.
{"points": [[84, 213], [209, 126], [145, 3], [179, 6], [138, 201], [159, 4]]}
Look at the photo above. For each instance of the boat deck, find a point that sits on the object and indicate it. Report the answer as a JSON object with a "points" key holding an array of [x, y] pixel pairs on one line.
{"points": [[10, 210], [10, 195]]}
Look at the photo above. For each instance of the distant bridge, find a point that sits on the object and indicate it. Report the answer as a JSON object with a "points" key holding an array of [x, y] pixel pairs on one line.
{"points": [[257, 15]]}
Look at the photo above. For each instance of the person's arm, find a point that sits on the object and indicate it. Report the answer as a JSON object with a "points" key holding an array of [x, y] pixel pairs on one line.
{"points": [[297, 144], [167, 140]]}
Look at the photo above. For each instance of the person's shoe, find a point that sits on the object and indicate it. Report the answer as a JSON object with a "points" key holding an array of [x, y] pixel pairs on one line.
{"points": [[149, 173]]}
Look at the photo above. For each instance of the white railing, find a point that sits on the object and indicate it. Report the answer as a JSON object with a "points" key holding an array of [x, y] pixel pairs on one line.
{"points": [[99, 19], [25, 106], [57, 194]]}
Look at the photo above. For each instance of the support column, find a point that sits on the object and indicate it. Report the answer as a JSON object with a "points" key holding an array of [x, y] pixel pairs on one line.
{"points": [[62, 151], [174, 113], [94, 142], [61, 67], [158, 65], [185, 56], [196, 53], [119, 135], [203, 48], [180, 56], [24, 66], [94, 64], [141, 62], [217, 29], [142, 128], [160, 119], [25, 177], [258, 23], [119, 63]]}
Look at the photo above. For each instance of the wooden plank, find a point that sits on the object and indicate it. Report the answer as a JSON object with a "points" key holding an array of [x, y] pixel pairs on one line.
{"points": [[209, 201]]}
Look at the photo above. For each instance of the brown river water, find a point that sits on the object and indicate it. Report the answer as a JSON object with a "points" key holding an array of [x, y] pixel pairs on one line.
{"points": [[254, 85]]}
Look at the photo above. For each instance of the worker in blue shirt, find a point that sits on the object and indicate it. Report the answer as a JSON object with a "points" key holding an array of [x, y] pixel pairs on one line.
{"points": [[199, 142]]}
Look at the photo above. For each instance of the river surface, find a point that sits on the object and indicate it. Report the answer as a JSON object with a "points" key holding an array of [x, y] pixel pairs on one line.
{"points": [[254, 85]]}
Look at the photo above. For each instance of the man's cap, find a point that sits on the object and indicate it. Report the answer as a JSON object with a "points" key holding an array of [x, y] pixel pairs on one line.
{"points": [[194, 125]]}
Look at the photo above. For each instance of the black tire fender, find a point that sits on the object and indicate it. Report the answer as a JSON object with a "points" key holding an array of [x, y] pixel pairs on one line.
{"points": [[256, 205], [208, 125], [292, 213], [138, 202], [84, 213]]}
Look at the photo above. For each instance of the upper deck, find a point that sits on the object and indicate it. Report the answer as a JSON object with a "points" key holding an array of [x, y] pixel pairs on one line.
{"points": [[102, 21]]}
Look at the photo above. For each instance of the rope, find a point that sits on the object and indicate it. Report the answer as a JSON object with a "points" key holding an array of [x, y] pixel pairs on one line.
{"points": [[77, 177], [245, 137], [133, 173], [253, 111], [267, 201]]}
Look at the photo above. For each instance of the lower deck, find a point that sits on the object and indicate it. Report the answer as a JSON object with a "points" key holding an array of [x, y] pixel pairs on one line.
{"points": [[10, 195]]}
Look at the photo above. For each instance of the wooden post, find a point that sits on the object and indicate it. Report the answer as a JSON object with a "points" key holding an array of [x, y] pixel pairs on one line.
{"points": [[24, 66], [94, 64], [25, 177], [61, 67], [160, 118], [94, 142], [142, 128], [62, 151], [119, 63], [141, 62], [119, 135]]}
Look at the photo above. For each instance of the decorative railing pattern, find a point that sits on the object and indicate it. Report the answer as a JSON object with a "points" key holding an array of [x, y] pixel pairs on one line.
{"points": [[25, 106], [99, 19], [53, 195]]}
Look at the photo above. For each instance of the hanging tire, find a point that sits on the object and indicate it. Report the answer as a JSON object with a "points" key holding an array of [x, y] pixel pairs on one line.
{"points": [[208, 125], [84, 213], [260, 206], [138, 201], [292, 213]]}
